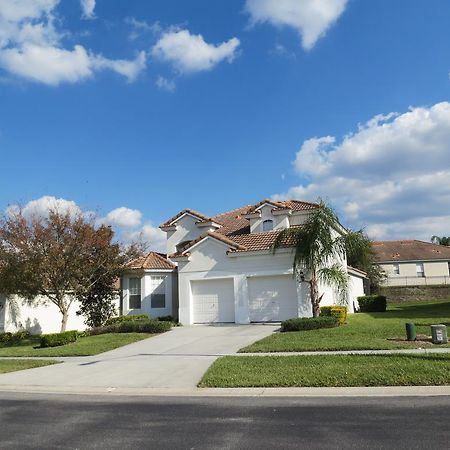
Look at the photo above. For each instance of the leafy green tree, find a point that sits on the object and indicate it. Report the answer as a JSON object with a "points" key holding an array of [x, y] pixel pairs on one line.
{"points": [[60, 258], [319, 249], [441, 240], [361, 255]]}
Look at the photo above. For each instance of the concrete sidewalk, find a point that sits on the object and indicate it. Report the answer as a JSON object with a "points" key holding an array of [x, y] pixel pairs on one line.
{"points": [[406, 351], [173, 360]]}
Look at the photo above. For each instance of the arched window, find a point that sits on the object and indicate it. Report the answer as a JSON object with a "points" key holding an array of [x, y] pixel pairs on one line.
{"points": [[268, 225]]}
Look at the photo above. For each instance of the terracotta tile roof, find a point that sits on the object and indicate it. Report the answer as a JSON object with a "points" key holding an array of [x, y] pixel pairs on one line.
{"points": [[202, 217], [294, 205], [260, 241], [236, 228], [410, 250], [218, 236], [151, 261], [233, 222]]}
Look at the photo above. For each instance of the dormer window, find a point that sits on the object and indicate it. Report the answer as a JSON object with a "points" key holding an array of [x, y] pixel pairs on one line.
{"points": [[267, 225]]}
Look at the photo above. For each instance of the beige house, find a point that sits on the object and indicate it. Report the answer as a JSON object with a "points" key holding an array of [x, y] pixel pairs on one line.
{"points": [[413, 263]]}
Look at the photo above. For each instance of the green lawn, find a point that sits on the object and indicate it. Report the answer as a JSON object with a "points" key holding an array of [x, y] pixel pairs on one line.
{"points": [[12, 365], [86, 346], [328, 371], [364, 331]]}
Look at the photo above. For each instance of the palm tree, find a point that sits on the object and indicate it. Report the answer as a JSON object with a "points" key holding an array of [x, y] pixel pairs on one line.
{"points": [[444, 240], [319, 246]]}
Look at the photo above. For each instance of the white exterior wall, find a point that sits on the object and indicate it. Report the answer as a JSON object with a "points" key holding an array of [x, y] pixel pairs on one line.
{"points": [[146, 291], [356, 289], [40, 316], [209, 260], [186, 230], [436, 272], [280, 222]]}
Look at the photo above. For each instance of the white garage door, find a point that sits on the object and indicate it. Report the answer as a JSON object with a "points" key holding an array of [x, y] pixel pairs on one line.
{"points": [[213, 301], [272, 298]]}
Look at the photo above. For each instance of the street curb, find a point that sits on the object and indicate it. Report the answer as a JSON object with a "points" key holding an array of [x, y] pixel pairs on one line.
{"points": [[385, 391]]}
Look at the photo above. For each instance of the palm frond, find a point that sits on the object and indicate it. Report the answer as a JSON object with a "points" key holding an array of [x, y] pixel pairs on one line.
{"points": [[337, 277]]}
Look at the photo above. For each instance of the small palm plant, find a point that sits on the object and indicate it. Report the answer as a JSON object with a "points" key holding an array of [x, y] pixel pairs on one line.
{"points": [[319, 253]]}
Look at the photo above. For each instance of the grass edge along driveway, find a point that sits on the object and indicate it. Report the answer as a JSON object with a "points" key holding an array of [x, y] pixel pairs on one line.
{"points": [[13, 365], [84, 346], [328, 371], [364, 331]]}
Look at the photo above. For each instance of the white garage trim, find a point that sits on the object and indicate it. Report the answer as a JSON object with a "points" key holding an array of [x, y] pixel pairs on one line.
{"points": [[213, 300], [272, 298]]}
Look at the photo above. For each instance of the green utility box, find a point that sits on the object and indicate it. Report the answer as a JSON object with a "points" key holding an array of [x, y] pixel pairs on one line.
{"points": [[410, 331], [439, 334]]}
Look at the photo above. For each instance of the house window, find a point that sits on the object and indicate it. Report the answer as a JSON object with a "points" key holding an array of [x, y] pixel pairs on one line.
{"points": [[448, 264], [268, 225], [158, 296], [420, 270], [135, 293], [396, 269]]}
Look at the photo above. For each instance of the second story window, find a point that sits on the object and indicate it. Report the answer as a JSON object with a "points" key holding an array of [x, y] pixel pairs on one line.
{"points": [[396, 269], [135, 293], [420, 270], [267, 225]]}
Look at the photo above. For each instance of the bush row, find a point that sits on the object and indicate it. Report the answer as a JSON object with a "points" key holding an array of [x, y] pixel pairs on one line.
{"points": [[14, 338], [120, 319], [340, 312], [309, 323], [57, 339], [372, 303], [136, 326]]}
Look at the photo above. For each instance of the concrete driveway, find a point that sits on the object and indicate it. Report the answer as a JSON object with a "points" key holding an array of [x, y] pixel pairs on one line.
{"points": [[173, 360]]}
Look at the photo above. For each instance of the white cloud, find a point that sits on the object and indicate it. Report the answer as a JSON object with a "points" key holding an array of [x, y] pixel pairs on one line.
{"points": [[42, 206], [129, 69], [123, 217], [88, 8], [391, 175], [32, 48], [127, 223], [141, 27], [190, 53], [311, 18], [49, 65], [155, 237], [165, 84]]}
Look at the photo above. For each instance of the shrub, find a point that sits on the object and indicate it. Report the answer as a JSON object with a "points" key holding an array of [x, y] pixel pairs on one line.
{"points": [[309, 323], [137, 326], [372, 303], [57, 339], [340, 312], [14, 338], [120, 319]]}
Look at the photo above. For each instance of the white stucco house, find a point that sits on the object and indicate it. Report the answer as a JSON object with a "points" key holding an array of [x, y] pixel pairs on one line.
{"points": [[413, 262], [223, 269]]}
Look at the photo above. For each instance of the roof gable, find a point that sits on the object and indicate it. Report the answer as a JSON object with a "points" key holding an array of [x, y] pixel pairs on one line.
{"points": [[152, 260]]}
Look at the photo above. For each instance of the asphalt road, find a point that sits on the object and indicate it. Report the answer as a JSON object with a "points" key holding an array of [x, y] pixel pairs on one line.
{"points": [[75, 422]]}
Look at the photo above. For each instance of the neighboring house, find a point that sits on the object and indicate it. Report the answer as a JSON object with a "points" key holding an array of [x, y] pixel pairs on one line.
{"points": [[226, 270], [413, 263]]}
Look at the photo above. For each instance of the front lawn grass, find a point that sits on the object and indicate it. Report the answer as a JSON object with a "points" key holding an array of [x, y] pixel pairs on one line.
{"points": [[84, 346], [364, 331], [13, 365], [328, 371]]}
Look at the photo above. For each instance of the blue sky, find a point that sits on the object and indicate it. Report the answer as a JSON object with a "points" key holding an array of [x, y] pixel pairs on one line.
{"points": [[156, 106]]}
